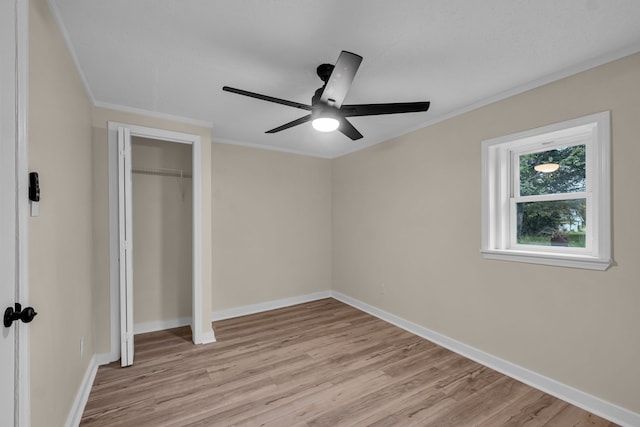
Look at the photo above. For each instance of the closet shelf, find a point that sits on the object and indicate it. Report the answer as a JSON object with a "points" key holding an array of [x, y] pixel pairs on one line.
{"points": [[162, 172]]}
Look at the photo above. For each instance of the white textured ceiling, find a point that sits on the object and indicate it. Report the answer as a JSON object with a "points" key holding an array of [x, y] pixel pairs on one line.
{"points": [[172, 57]]}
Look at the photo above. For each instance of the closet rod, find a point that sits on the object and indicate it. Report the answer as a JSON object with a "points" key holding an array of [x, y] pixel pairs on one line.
{"points": [[162, 172]]}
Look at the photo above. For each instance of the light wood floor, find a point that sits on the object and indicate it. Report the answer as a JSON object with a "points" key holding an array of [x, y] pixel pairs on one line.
{"points": [[317, 364]]}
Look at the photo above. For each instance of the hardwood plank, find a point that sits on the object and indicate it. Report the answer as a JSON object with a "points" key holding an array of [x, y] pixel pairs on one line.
{"points": [[534, 408], [576, 417], [321, 363]]}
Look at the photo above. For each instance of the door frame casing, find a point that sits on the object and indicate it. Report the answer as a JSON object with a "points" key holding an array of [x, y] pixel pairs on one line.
{"points": [[22, 164], [199, 335], [14, 70]]}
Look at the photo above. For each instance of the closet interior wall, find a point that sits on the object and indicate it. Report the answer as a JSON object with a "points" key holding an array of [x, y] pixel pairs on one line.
{"points": [[162, 233]]}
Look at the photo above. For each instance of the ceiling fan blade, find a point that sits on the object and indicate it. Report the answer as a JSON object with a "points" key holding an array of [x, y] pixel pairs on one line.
{"points": [[349, 130], [296, 122], [378, 109], [267, 98], [341, 78]]}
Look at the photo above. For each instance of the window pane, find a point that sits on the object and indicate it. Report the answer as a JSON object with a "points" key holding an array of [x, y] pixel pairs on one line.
{"points": [[552, 223], [570, 176]]}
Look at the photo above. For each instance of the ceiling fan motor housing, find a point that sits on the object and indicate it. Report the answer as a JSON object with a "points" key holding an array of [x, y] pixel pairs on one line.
{"points": [[324, 71]]}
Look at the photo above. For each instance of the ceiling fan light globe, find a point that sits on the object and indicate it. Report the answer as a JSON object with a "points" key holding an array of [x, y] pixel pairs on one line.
{"points": [[325, 124]]}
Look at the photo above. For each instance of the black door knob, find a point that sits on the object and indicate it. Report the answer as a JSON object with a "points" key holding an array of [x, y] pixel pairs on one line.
{"points": [[11, 315], [27, 314]]}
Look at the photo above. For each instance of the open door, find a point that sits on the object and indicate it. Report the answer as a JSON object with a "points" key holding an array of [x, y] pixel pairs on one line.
{"points": [[14, 337], [8, 252], [125, 221]]}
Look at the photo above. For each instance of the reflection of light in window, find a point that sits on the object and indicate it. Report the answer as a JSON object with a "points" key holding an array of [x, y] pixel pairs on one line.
{"points": [[547, 167]]}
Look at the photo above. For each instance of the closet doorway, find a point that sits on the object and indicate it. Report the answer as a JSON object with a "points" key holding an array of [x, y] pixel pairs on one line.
{"points": [[155, 182], [161, 190]]}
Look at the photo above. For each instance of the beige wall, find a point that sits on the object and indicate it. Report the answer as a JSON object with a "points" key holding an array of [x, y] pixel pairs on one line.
{"points": [[162, 232], [271, 225], [60, 239], [406, 230]]}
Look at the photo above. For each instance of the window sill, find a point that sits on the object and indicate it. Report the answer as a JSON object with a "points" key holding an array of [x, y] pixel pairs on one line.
{"points": [[571, 261]]}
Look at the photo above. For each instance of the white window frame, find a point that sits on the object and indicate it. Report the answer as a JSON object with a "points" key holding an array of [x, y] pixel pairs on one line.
{"points": [[500, 193]]}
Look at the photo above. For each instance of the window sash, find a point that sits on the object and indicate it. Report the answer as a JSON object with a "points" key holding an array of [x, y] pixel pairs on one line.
{"points": [[586, 140], [589, 234]]}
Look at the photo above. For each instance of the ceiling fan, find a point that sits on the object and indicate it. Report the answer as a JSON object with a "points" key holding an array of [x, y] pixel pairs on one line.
{"points": [[328, 113]]}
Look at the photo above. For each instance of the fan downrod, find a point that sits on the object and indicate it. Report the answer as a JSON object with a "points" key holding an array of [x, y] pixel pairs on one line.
{"points": [[324, 72]]}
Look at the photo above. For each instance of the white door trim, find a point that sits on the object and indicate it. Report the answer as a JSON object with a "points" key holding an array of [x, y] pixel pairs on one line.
{"points": [[22, 165], [199, 334], [14, 73]]}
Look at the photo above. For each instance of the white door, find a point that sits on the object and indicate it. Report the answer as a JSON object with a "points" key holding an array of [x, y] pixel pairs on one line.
{"points": [[125, 229], [8, 212], [8, 272]]}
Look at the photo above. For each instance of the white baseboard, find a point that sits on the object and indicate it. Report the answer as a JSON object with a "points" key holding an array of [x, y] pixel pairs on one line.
{"points": [[593, 404], [75, 414], [209, 337], [141, 328], [266, 306], [144, 327]]}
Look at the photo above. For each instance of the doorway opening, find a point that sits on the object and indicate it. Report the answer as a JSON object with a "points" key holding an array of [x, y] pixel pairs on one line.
{"points": [[161, 175], [124, 141]]}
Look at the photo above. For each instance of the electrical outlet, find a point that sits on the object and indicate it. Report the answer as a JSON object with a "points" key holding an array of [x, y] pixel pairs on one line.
{"points": [[81, 346]]}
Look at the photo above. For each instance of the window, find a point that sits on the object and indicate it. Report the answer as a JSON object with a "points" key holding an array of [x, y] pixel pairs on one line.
{"points": [[546, 195]]}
